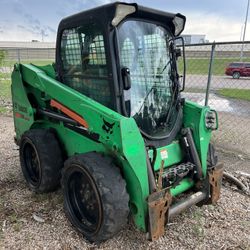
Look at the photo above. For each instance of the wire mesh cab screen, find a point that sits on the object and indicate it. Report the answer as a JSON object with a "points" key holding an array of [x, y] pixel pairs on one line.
{"points": [[84, 62], [144, 49]]}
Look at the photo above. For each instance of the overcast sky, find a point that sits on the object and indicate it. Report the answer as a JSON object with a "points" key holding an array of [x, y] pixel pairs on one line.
{"points": [[25, 20]]}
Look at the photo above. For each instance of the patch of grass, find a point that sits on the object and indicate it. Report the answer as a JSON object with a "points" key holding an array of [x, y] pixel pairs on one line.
{"points": [[4, 75], [5, 92], [198, 228], [40, 197], [9, 215], [3, 110], [1, 235], [14, 220], [200, 66], [51, 200], [195, 66], [39, 62], [17, 226], [10, 63], [241, 94], [1, 203]]}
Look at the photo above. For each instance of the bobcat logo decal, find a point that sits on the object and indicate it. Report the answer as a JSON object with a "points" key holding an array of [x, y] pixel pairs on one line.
{"points": [[108, 127]]}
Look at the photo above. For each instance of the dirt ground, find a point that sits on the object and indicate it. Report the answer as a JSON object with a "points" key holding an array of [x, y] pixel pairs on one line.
{"points": [[31, 221]]}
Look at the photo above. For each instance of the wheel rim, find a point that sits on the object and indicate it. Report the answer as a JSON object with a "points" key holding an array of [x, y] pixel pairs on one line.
{"points": [[236, 75], [84, 201], [31, 164]]}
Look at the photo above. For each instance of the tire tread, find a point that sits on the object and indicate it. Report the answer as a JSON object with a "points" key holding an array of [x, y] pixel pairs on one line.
{"points": [[114, 197], [50, 156]]}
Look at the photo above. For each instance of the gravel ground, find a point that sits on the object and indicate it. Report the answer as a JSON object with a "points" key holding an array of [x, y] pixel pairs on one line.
{"points": [[31, 221]]}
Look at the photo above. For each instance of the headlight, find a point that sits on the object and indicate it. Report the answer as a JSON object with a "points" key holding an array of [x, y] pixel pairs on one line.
{"points": [[179, 23], [211, 120], [122, 10]]}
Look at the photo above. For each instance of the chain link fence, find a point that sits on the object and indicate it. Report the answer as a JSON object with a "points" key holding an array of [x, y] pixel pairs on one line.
{"points": [[229, 94], [10, 56], [206, 83]]}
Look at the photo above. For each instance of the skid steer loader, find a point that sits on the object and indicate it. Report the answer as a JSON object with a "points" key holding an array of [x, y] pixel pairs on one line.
{"points": [[109, 123]]}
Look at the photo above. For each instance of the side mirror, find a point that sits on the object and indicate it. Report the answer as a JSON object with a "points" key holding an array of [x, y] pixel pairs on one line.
{"points": [[126, 78]]}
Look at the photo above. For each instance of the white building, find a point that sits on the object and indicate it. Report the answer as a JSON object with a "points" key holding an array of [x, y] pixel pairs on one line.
{"points": [[194, 38]]}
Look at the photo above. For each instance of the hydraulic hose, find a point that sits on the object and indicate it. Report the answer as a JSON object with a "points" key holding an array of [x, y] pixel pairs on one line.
{"points": [[234, 180]]}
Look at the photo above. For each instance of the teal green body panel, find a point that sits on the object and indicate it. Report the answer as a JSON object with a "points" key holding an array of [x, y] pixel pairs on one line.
{"points": [[72, 142], [173, 155], [125, 144], [194, 118], [184, 185], [22, 110], [48, 69]]}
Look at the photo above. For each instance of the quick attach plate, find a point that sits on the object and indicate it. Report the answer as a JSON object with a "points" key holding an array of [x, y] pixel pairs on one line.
{"points": [[158, 208], [215, 181]]}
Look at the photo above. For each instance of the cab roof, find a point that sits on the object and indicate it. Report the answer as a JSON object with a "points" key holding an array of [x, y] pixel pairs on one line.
{"points": [[106, 13]]}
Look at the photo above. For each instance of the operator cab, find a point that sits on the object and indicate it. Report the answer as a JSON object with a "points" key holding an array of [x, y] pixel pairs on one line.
{"points": [[124, 57]]}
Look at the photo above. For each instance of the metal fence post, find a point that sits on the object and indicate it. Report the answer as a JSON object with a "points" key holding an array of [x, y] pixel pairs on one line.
{"points": [[210, 73]]}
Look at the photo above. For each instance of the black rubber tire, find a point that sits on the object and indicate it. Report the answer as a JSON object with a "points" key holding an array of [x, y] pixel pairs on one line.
{"points": [[236, 75], [109, 189], [212, 158], [43, 172]]}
